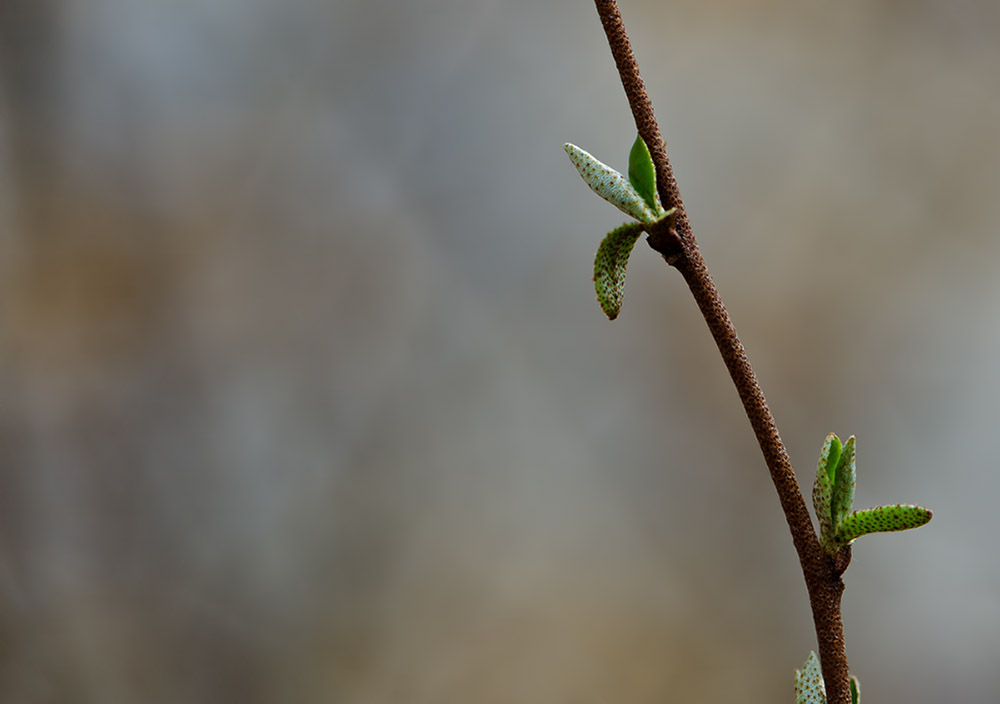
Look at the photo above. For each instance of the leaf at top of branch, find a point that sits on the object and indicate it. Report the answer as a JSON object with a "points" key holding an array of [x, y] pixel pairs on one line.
{"points": [[829, 457], [844, 482], [610, 185], [826, 468], [809, 686], [609, 267], [882, 519], [642, 174]]}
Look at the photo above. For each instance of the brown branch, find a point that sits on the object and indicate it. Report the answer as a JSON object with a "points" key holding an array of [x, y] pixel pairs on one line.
{"points": [[680, 249]]}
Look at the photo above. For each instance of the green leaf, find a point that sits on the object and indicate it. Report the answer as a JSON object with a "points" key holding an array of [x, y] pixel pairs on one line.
{"points": [[610, 185], [832, 456], [829, 456], [809, 687], [609, 267], [855, 691], [642, 174], [844, 481], [882, 519]]}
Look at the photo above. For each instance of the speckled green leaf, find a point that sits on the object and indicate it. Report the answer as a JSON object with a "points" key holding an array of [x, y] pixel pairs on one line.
{"points": [[642, 174], [610, 185], [844, 482], [609, 267], [809, 686], [882, 519], [829, 456]]}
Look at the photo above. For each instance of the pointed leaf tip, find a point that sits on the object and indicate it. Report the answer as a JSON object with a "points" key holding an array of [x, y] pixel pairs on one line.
{"points": [[610, 264], [642, 174], [809, 686], [830, 455]]}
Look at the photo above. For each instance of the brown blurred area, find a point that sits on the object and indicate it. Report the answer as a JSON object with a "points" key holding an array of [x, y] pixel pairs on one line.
{"points": [[305, 396]]}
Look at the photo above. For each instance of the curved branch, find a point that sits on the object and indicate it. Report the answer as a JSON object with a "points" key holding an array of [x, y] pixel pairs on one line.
{"points": [[677, 244]]}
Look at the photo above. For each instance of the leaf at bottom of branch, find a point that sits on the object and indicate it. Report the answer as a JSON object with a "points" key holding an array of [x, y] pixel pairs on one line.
{"points": [[609, 267]]}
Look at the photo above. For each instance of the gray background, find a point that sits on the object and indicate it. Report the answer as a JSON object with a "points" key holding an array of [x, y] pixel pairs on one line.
{"points": [[305, 396]]}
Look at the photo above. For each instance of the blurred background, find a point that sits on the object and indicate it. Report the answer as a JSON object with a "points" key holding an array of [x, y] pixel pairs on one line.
{"points": [[305, 395]]}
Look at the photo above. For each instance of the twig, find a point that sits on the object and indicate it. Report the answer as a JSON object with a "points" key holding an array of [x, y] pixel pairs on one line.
{"points": [[679, 248]]}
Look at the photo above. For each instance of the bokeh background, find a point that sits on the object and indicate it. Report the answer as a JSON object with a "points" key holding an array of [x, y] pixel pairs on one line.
{"points": [[305, 396]]}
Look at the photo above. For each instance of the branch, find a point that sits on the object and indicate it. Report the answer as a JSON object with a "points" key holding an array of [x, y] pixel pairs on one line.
{"points": [[677, 244]]}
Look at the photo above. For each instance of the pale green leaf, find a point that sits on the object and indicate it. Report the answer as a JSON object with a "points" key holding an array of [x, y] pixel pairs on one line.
{"points": [[610, 185], [809, 686]]}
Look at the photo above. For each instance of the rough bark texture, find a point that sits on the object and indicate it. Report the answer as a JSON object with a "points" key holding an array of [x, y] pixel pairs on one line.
{"points": [[676, 242]]}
